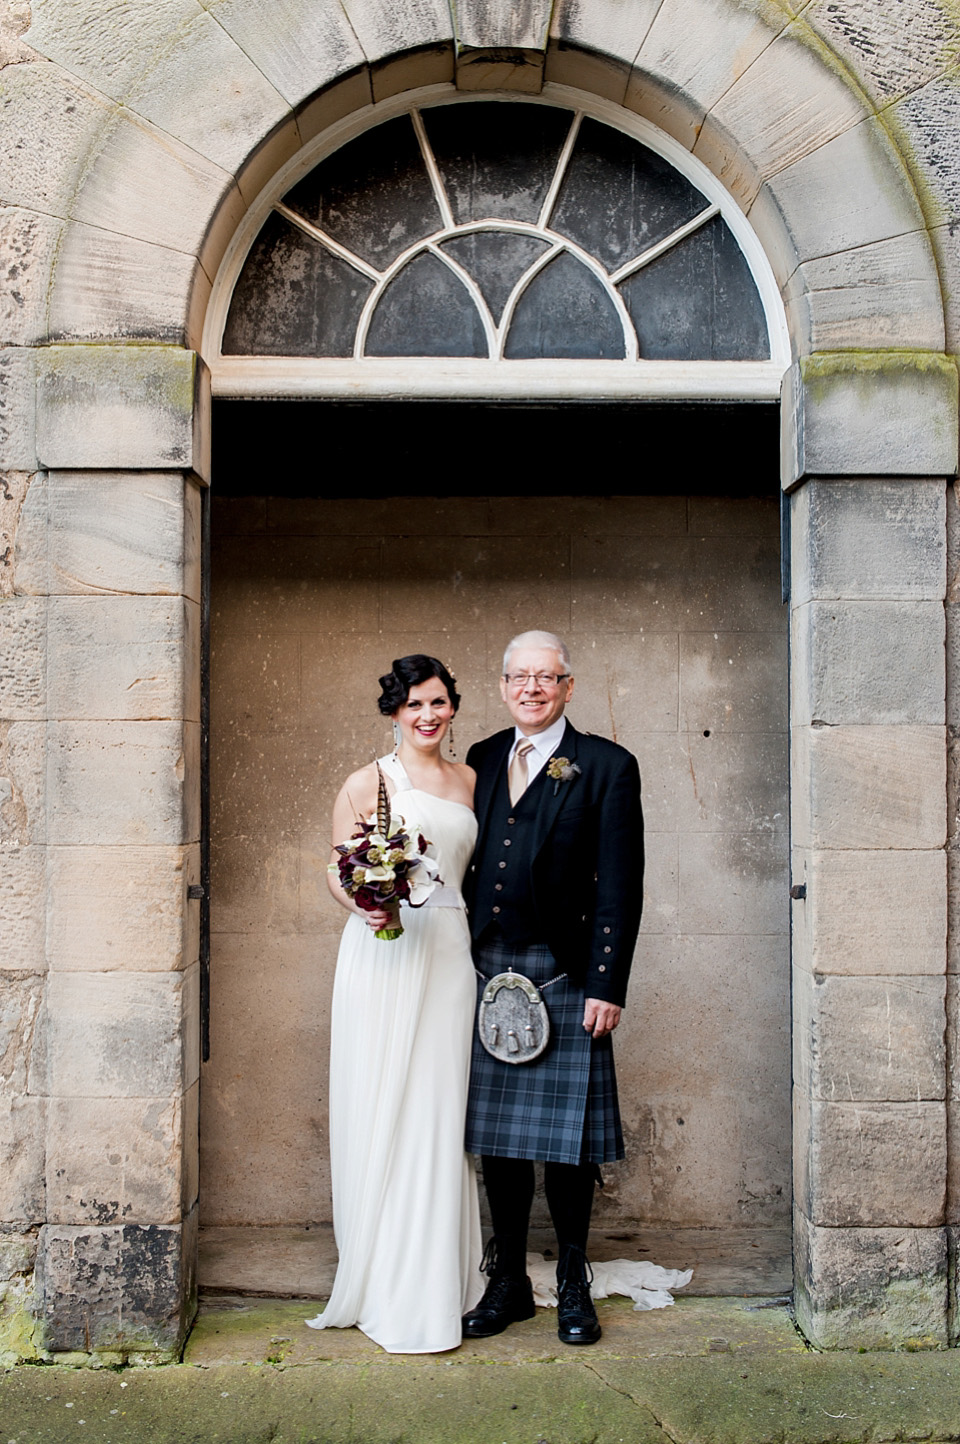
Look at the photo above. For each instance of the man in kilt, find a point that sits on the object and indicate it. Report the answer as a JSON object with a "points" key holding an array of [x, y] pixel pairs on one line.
{"points": [[555, 888]]}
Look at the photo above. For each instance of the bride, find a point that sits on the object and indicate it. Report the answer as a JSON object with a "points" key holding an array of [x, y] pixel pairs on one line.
{"points": [[405, 1211]]}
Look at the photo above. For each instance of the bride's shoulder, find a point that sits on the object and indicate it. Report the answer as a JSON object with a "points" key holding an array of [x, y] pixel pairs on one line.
{"points": [[361, 786], [466, 781]]}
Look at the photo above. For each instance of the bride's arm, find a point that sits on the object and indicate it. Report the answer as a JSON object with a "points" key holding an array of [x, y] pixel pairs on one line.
{"points": [[357, 799]]}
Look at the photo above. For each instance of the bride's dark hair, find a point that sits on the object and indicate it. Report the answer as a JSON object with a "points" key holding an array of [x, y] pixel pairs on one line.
{"points": [[409, 672]]}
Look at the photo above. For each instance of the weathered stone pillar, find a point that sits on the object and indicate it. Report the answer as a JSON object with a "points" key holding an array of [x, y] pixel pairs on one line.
{"points": [[105, 787], [869, 443]]}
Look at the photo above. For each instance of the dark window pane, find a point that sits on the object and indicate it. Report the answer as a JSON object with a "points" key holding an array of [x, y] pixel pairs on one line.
{"points": [[618, 198], [496, 260], [565, 312], [293, 298], [373, 195], [698, 302], [497, 158], [426, 311]]}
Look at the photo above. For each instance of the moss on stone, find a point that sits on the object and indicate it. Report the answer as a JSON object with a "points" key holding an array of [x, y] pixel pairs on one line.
{"points": [[21, 1333], [822, 365], [820, 371]]}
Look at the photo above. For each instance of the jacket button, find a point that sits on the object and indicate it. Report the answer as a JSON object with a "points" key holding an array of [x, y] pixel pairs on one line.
{"points": [[608, 950], [602, 968]]}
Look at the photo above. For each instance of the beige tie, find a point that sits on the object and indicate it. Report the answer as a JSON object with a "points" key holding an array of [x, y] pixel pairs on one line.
{"points": [[517, 775]]}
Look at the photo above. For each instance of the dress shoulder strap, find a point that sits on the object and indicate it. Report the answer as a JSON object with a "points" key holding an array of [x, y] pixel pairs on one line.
{"points": [[392, 767]]}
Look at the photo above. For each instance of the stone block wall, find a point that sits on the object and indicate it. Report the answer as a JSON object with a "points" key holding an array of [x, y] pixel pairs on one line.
{"points": [[99, 975], [671, 606], [869, 937], [834, 124]]}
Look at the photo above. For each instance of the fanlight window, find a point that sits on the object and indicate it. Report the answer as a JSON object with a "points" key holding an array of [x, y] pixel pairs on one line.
{"points": [[496, 230]]}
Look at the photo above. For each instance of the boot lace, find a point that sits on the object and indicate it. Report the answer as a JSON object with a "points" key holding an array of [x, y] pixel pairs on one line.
{"points": [[575, 1276]]}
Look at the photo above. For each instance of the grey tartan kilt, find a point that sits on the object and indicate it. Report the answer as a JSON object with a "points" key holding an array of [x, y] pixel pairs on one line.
{"points": [[562, 1108]]}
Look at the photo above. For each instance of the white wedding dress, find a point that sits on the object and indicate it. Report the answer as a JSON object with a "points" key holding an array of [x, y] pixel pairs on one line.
{"points": [[405, 1211]]}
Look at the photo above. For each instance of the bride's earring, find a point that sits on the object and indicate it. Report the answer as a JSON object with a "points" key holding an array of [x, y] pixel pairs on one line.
{"points": [[450, 742], [396, 734]]}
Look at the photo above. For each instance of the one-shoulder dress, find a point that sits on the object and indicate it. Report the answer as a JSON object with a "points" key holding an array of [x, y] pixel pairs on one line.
{"points": [[405, 1211]]}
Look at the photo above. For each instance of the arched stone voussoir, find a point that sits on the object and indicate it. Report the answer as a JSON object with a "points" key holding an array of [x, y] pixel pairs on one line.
{"points": [[501, 44], [885, 294], [854, 191], [108, 46], [49, 123], [698, 51], [299, 45], [786, 105], [138, 171], [114, 287], [406, 44], [206, 92]]}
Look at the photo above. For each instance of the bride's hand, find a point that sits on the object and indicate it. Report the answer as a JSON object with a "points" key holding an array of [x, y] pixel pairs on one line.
{"points": [[377, 920]]}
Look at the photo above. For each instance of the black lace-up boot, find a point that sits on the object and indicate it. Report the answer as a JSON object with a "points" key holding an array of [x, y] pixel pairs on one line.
{"points": [[507, 1299], [576, 1316]]}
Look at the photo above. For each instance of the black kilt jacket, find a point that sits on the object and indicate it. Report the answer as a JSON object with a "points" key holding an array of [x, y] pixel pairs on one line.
{"points": [[586, 868]]}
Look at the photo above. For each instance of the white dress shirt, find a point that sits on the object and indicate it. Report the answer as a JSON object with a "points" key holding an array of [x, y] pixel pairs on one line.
{"points": [[545, 746]]}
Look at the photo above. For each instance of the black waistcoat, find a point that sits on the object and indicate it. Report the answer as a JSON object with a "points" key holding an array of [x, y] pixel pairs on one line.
{"points": [[502, 901]]}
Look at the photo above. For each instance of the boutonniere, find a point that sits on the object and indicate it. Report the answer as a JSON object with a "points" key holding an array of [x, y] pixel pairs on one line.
{"points": [[561, 769]]}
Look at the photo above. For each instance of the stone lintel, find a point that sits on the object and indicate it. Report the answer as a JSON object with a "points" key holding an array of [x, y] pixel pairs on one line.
{"points": [[134, 408], [870, 413]]}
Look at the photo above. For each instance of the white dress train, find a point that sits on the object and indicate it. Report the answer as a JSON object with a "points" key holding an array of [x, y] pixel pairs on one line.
{"points": [[405, 1212]]}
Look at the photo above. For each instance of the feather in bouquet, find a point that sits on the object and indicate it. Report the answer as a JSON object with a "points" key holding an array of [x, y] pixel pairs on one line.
{"points": [[385, 863]]}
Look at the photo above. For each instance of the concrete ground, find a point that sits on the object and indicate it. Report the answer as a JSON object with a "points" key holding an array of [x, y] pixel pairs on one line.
{"points": [[707, 1371]]}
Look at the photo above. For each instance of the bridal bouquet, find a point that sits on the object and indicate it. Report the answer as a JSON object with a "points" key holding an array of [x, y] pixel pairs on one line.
{"points": [[385, 863]]}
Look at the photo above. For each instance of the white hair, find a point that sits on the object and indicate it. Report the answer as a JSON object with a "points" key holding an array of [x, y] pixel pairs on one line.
{"points": [[537, 639]]}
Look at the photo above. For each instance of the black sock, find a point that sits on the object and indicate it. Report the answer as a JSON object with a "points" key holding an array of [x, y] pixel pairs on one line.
{"points": [[509, 1183], [569, 1189]]}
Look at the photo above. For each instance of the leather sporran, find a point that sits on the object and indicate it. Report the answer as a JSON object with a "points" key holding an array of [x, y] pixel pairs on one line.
{"points": [[512, 1019]]}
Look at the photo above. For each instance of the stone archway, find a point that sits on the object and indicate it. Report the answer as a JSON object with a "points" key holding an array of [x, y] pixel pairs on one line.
{"points": [[123, 200]]}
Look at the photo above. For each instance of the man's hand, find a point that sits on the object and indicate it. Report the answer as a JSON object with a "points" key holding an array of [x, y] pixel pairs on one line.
{"points": [[600, 1018]]}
